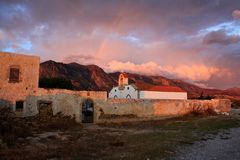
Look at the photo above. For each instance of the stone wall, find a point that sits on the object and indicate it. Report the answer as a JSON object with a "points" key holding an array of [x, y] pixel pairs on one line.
{"points": [[71, 104], [67, 104], [64, 101], [153, 108], [29, 75], [96, 95]]}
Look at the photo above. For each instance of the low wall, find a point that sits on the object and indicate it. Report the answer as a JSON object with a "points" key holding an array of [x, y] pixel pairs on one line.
{"points": [[65, 103], [153, 108], [71, 104], [98, 95], [68, 104]]}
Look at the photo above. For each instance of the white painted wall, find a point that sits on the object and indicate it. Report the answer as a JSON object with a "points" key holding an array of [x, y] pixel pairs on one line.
{"points": [[128, 90], [162, 95]]}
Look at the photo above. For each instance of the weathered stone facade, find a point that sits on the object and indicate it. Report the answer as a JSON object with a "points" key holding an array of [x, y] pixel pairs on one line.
{"points": [[24, 89], [95, 95], [151, 108], [72, 104], [27, 73]]}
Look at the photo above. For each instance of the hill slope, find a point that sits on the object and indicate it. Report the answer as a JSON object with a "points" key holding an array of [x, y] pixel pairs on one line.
{"points": [[92, 77]]}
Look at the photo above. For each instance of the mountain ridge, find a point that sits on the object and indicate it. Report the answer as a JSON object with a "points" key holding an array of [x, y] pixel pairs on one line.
{"points": [[93, 77]]}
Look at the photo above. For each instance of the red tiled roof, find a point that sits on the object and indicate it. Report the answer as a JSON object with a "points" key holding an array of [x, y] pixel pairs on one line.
{"points": [[166, 89], [158, 88]]}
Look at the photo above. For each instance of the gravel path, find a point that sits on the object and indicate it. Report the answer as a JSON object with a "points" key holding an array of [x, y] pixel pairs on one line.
{"points": [[226, 146]]}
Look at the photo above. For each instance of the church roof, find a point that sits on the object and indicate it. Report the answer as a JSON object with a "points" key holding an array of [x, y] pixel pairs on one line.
{"points": [[144, 87]]}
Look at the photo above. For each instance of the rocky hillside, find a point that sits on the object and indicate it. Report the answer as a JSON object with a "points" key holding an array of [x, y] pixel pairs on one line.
{"points": [[92, 77]]}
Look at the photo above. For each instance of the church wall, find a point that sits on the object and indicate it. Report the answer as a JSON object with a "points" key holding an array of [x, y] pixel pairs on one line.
{"points": [[162, 95], [127, 91]]}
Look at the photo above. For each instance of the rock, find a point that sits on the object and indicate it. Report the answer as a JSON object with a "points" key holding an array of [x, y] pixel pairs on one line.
{"points": [[48, 135], [117, 143], [226, 113], [29, 148], [29, 138], [64, 137], [35, 140], [3, 145], [41, 146], [20, 139]]}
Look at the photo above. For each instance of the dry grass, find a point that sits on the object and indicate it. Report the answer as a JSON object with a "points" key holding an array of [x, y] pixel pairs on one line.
{"points": [[12, 127], [128, 140]]}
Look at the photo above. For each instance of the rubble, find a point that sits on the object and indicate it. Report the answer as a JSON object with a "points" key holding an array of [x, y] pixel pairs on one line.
{"points": [[15, 129]]}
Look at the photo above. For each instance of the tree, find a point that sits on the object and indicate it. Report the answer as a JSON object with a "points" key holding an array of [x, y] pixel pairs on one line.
{"points": [[57, 82]]}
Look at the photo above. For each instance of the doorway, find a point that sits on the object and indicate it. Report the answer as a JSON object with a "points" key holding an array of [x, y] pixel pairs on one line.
{"points": [[87, 111], [45, 109]]}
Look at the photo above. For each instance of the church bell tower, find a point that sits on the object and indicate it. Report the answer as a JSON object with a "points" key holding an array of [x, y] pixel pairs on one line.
{"points": [[123, 79]]}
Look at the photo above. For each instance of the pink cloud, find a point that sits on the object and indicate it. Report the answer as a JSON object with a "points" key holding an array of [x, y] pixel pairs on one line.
{"points": [[152, 37], [194, 72]]}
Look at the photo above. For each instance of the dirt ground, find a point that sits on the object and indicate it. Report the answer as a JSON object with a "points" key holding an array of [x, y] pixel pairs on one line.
{"points": [[61, 138]]}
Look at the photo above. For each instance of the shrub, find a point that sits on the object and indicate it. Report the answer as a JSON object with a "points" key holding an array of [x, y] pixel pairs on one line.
{"points": [[235, 104], [208, 97], [57, 82]]}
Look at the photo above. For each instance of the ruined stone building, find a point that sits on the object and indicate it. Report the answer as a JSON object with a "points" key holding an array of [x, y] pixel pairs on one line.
{"points": [[136, 91], [19, 90], [19, 76]]}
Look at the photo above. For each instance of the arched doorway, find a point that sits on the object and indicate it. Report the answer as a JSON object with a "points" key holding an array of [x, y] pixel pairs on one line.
{"points": [[45, 111], [87, 111]]}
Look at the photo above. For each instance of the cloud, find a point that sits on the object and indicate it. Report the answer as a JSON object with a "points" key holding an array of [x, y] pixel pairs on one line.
{"points": [[195, 72], [236, 14], [149, 68], [1, 36], [82, 59], [220, 37], [99, 32]]}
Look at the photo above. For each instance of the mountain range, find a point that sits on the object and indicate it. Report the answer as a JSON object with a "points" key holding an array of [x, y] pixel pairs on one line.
{"points": [[92, 77]]}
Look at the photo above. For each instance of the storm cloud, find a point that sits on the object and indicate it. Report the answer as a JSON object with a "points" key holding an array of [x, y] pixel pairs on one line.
{"points": [[172, 37], [220, 37]]}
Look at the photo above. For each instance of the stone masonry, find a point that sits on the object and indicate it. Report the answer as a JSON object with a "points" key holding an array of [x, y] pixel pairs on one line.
{"points": [[27, 84]]}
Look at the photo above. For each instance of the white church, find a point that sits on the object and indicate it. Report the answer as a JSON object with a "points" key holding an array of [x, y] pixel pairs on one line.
{"points": [[135, 91]]}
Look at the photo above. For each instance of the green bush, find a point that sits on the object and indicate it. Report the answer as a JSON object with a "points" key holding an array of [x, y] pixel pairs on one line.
{"points": [[235, 104], [57, 82], [208, 97]]}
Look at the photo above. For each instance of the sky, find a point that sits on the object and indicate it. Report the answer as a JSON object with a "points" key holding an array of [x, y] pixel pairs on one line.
{"points": [[193, 40]]}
